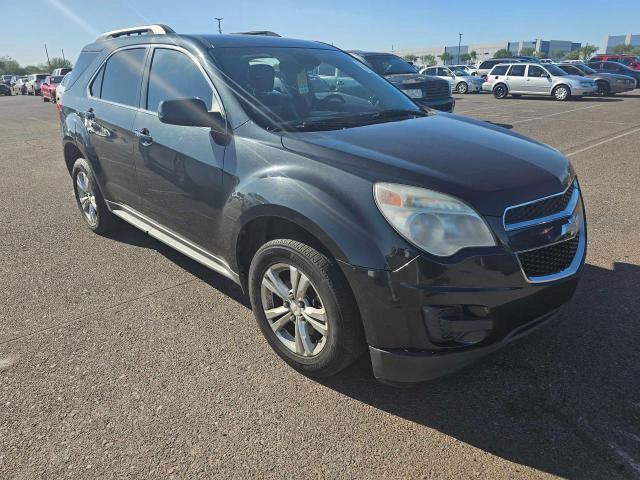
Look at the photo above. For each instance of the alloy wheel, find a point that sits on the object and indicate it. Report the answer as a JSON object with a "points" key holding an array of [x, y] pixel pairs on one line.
{"points": [[87, 198], [561, 93], [462, 87], [294, 310]]}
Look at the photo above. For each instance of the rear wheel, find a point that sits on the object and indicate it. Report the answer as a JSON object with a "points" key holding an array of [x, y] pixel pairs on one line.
{"points": [[305, 308], [561, 93], [462, 87], [89, 199], [500, 91]]}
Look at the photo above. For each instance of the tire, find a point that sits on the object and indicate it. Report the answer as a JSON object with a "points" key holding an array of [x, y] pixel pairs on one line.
{"points": [[102, 220], [561, 93], [326, 290], [462, 87], [603, 88], [500, 91]]}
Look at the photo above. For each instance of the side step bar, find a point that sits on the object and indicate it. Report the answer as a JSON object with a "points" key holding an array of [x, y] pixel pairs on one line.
{"points": [[173, 240]]}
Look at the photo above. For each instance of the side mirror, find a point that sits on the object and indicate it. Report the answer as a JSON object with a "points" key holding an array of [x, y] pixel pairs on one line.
{"points": [[190, 112]]}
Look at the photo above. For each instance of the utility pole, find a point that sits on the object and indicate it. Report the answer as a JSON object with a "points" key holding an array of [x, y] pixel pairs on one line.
{"points": [[219, 19], [459, 44], [47, 52], [63, 55]]}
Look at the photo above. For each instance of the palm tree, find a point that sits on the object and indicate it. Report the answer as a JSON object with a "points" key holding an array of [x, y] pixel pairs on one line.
{"points": [[474, 55], [465, 58], [445, 57], [428, 60], [502, 53], [410, 58], [587, 51]]}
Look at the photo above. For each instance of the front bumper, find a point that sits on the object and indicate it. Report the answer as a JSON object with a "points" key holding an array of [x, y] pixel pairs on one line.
{"points": [[433, 316], [584, 90]]}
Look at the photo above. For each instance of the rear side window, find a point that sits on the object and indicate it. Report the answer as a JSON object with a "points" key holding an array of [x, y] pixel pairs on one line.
{"points": [[517, 70], [84, 60], [95, 89], [121, 77], [487, 64], [500, 70], [174, 75], [535, 71]]}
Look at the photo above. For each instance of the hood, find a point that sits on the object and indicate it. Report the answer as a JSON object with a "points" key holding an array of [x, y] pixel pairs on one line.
{"points": [[410, 80], [612, 76], [576, 78], [484, 165]]}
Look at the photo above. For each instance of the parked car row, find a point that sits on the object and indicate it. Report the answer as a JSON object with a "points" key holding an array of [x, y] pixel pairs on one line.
{"points": [[49, 87]]}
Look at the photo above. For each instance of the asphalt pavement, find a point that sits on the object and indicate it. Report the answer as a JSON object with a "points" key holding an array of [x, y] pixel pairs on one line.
{"points": [[122, 358]]}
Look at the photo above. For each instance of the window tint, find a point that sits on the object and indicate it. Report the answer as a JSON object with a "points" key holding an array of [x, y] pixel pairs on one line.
{"points": [[431, 71], [535, 71], [488, 64], [174, 75], [84, 60], [571, 70], [122, 75], [517, 70], [500, 70]]}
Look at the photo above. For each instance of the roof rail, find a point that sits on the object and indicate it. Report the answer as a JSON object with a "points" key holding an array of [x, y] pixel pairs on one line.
{"points": [[265, 33], [156, 29]]}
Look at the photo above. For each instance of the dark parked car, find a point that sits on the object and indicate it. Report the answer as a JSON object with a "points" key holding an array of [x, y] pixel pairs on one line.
{"points": [[425, 90], [616, 68], [5, 89], [353, 221], [608, 83], [6, 80]]}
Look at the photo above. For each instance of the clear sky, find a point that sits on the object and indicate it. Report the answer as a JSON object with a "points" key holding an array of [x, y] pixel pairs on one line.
{"points": [[351, 24]]}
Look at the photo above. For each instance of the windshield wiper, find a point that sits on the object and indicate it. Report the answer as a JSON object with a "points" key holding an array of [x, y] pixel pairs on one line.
{"points": [[355, 120]]}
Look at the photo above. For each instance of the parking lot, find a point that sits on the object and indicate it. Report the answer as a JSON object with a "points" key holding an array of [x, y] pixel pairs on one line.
{"points": [[122, 358]]}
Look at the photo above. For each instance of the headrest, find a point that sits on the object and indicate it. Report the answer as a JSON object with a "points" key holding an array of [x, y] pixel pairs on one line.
{"points": [[261, 77]]}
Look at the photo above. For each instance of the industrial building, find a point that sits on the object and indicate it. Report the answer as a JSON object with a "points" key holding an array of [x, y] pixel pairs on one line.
{"points": [[611, 41], [544, 48]]}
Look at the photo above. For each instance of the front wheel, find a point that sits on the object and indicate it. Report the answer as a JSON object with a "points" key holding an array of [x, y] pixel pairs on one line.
{"points": [[304, 308], [561, 93], [462, 87]]}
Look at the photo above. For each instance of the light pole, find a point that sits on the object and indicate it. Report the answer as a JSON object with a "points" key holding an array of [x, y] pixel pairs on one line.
{"points": [[219, 19], [459, 43]]}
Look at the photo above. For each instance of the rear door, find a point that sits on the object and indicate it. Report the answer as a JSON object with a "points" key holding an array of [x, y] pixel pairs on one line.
{"points": [[537, 80], [179, 167], [114, 93], [515, 78]]}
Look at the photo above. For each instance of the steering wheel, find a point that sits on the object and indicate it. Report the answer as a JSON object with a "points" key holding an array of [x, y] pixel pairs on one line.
{"points": [[332, 97]]}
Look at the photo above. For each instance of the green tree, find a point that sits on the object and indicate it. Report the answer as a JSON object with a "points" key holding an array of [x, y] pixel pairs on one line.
{"points": [[587, 51], [623, 49], [474, 55], [57, 62], [445, 57], [527, 52], [574, 55], [557, 54], [9, 66], [428, 60], [410, 58], [465, 58], [502, 53]]}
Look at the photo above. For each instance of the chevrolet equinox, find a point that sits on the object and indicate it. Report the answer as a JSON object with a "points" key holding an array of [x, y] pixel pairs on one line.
{"points": [[353, 220]]}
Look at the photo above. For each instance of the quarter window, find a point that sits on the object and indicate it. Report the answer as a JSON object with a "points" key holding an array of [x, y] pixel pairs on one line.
{"points": [[174, 75], [500, 70], [121, 77], [517, 70]]}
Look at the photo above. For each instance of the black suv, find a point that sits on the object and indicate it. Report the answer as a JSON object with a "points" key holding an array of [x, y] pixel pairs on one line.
{"points": [[352, 221], [423, 89]]}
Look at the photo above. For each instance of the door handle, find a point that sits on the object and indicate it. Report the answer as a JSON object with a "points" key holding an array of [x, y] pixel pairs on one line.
{"points": [[144, 137]]}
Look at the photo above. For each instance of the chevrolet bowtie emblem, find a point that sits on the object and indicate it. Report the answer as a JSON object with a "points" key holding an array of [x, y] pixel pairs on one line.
{"points": [[572, 227]]}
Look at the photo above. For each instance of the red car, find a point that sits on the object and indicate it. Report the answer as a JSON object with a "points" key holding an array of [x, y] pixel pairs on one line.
{"points": [[48, 87], [630, 61]]}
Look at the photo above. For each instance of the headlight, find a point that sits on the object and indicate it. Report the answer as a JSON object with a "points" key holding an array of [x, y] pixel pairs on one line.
{"points": [[435, 222]]}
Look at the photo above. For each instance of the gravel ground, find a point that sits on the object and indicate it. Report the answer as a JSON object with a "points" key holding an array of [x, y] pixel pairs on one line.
{"points": [[122, 358]]}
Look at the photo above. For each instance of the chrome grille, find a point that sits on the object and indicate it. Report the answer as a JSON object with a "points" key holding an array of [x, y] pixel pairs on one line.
{"points": [[549, 260], [539, 209], [436, 90]]}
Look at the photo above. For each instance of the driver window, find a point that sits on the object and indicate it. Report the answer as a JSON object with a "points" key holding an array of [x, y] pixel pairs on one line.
{"points": [[174, 75], [535, 71]]}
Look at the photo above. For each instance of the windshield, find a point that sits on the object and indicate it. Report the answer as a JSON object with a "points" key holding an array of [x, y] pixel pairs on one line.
{"points": [[41, 77], [585, 68], [309, 89], [555, 70], [460, 72], [389, 65], [56, 79]]}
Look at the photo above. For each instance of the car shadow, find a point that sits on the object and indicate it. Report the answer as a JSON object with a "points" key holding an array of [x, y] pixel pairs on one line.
{"points": [[135, 237], [507, 126], [564, 400]]}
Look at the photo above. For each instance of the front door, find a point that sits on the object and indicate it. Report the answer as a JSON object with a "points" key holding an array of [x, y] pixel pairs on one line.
{"points": [[538, 80], [179, 168]]}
